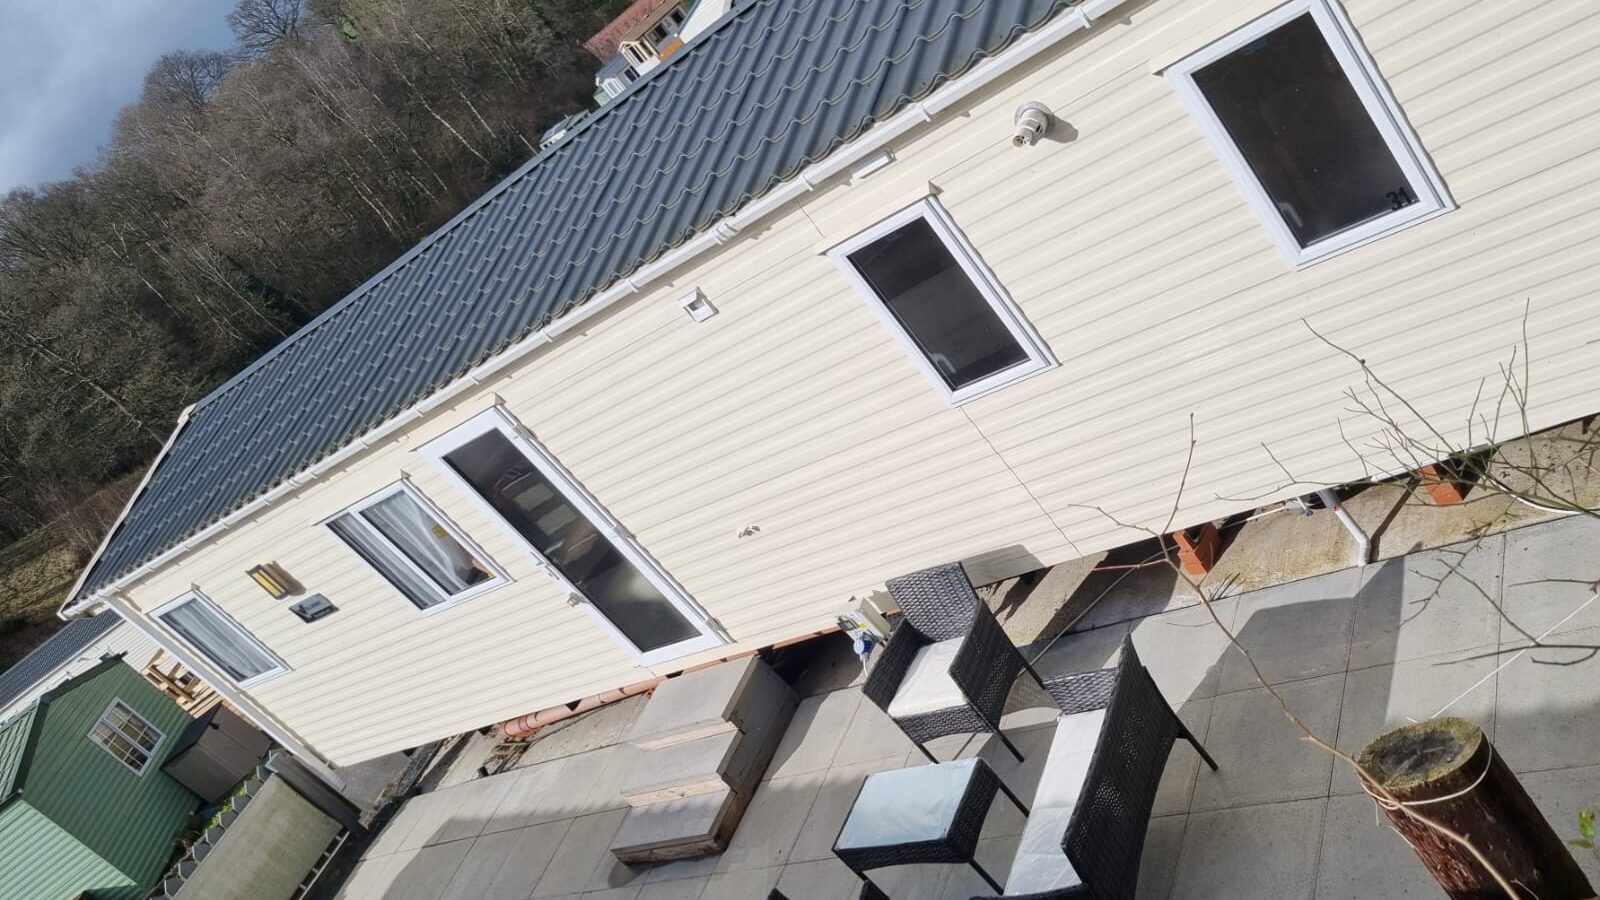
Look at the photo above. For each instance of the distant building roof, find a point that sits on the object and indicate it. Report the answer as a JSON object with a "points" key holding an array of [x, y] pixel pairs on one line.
{"points": [[773, 87], [607, 42], [59, 649]]}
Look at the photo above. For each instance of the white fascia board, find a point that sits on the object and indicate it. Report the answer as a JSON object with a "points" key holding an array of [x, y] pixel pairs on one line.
{"points": [[921, 112]]}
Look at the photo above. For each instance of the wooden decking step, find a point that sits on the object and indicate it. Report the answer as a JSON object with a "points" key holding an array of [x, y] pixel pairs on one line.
{"points": [[697, 705], [732, 760], [679, 829]]}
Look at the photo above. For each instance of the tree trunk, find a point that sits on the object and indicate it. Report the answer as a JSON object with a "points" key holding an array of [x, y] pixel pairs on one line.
{"points": [[1449, 771]]}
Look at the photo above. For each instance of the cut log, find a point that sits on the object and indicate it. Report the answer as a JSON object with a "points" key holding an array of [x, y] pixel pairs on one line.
{"points": [[1448, 771]]}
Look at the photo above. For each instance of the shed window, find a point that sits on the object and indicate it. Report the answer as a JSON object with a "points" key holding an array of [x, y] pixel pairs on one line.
{"points": [[415, 548], [1301, 117], [127, 736], [949, 312], [219, 639]]}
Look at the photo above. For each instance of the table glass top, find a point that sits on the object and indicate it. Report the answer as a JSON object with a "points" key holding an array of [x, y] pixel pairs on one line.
{"points": [[907, 805]]}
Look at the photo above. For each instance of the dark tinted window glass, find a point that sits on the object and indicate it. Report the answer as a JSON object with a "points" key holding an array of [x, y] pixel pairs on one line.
{"points": [[562, 534], [914, 275], [1293, 114]]}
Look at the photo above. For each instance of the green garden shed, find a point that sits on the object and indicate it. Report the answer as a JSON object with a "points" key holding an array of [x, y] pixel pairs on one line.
{"points": [[85, 809]]}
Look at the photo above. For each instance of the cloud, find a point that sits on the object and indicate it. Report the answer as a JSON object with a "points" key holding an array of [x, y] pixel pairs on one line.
{"points": [[68, 66]]}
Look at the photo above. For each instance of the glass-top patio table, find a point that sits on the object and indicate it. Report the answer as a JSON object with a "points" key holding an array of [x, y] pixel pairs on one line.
{"points": [[924, 814]]}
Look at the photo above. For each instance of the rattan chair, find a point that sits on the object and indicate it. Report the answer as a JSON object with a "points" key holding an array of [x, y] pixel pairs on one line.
{"points": [[869, 891], [949, 667], [1110, 797]]}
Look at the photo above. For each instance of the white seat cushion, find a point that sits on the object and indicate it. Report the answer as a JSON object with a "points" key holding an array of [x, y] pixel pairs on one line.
{"points": [[1039, 864], [928, 686]]}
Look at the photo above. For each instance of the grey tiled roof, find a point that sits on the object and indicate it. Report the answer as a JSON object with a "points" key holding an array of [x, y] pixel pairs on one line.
{"points": [[57, 650], [777, 85]]}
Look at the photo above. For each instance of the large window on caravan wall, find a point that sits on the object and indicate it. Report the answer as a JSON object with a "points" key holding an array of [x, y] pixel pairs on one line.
{"points": [[1304, 123], [948, 311], [219, 639], [415, 548]]}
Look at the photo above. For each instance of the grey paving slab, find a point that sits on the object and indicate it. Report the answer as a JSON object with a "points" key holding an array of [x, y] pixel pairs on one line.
{"points": [[822, 879], [871, 734], [1550, 572], [1548, 707], [741, 885], [1261, 757], [831, 806], [527, 801], [476, 802], [583, 861], [573, 792], [1363, 858], [681, 868], [1252, 853], [529, 858], [475, 877], [1381, 698], [1184, 649], [626, 892], [435, 813], [677, 889], [1078, 651], [814, 733], [372, 877], [394, 834], [1293, 631], [426, 874], [1561, 794], [1427, 604], [1163, 844], [772, 823]]}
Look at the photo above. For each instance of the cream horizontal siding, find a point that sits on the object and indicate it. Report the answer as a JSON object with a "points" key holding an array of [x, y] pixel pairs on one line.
{"points": [[794, 410]]}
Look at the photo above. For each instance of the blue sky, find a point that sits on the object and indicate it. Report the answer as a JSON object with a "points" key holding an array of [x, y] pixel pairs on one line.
{"points": [[67, 66]]}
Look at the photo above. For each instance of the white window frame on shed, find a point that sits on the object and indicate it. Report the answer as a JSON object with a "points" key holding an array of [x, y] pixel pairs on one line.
{"points": [[1431, 196], [398, 556], [149, 754], [498, 419], [929, 209], [195, 596]]}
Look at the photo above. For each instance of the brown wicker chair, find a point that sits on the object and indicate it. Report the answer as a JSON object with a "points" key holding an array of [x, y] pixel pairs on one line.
{"points": [[1112, 796], [949, 667]]}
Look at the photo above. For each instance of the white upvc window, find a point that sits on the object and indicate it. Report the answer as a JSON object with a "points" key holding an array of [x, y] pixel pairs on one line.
{"points": [[403, 537], [1301, 118], [127, 736], [948, 311], [216, 636]]}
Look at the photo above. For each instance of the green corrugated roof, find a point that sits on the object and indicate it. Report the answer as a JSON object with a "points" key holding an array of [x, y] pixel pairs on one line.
{"points": [[14, 735]]}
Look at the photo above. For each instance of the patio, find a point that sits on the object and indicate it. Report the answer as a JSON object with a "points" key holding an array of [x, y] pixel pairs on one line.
{"points": [[1355, 651]]}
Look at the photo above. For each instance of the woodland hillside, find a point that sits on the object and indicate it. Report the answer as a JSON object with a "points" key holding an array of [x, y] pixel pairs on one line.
{"points": [[243, 193]]}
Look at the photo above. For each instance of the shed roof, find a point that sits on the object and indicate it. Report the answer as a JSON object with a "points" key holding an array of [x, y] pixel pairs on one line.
{"points": [[15, 735], [59, 649], [774, 87]]}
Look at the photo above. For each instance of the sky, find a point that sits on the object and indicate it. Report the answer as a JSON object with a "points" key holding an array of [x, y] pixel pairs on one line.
{"points": [[68, 66]]}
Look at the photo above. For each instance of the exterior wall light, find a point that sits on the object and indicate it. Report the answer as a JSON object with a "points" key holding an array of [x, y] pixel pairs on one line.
{"points": [[697, 306], [272, 579]]}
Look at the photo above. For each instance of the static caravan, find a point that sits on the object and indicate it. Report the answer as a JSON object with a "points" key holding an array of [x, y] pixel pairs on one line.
{"points": [[847, 288]]}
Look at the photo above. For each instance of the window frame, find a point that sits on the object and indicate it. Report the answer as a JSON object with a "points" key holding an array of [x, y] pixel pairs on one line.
{"points": [[1039, 358], [151, 754], [498, 576], [194, 595], [497, 418], [1432, 197]]}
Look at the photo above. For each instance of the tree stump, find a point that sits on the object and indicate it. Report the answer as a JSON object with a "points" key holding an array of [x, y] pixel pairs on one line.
{"points": [[1451, 772]]}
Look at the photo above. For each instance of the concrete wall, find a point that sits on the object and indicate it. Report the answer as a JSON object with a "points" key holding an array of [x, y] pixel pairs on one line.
{"points": [[1131, 252], [266, 852]]}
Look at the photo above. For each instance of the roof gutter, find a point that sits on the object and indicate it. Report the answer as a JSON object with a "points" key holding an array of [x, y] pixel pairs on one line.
{"points": [[984, 72]]}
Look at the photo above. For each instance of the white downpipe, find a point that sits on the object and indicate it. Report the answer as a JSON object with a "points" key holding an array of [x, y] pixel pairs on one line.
{"points": [[1363, 543], [879, 136], [223, 686]]}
